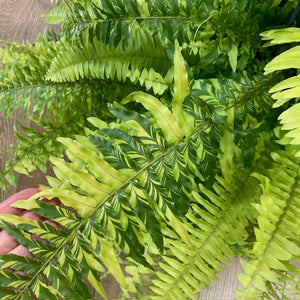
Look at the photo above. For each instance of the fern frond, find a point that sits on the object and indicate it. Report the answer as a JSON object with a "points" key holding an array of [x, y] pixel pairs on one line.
{"points": [[205, 29], [110, 203], [22, 82], [144, 61], [277, 234], [35, 146], [287, 89], [242, 105], [56, 14]]}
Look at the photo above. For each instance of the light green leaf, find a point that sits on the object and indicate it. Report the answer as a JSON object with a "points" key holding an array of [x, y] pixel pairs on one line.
{"points": [[82, 204], [99, 167], [181, 91], [281, 36], [233, 54], [108, 257], [164, 118], [289, 59]]}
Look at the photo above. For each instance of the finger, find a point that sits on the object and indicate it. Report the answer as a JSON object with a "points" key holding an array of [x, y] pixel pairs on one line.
{"points": [[32, 215], [52, 223], [7, 243], [21, 251], [5, 207]]}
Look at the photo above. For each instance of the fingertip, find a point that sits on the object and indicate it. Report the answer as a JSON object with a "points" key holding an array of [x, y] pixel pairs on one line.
{"points": [[7, 243], [5, 206], [21, 251], [32, 216]]}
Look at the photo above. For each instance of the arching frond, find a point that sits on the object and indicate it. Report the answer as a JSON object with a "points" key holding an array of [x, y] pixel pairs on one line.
{"points": [[287, 89], [144, 61], [277, 234], [205, 29], [113, 197]]}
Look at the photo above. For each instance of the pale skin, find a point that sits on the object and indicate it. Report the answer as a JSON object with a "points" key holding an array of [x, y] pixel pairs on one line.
{"points": [[7, 244]]}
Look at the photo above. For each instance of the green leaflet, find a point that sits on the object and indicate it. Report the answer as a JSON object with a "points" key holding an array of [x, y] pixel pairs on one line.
{"points": [[281, 36], [285, 90], [286, 60], [233, 54], [228, 148]]}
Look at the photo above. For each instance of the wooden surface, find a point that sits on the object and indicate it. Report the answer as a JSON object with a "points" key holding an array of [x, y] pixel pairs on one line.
{"points": [[19, 21]]}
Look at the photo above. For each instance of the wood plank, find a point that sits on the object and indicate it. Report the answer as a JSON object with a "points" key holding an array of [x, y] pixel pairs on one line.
{"points": [[20, 21], [224, 288]]}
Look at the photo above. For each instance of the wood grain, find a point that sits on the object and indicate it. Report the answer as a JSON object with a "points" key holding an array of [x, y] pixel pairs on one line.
{"points": [[19, 20]]}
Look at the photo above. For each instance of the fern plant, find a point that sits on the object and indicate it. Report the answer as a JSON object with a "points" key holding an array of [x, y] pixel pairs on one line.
{"points": [[169, 152]]}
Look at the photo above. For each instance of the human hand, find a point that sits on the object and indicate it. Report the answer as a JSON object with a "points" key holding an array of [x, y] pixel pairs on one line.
{"points": [[7, 244]]}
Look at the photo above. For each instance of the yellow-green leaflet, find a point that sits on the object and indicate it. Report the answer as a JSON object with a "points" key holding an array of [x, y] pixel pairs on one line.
{"points": [[286, 60], [164, 118], [17, 219], [281, 36], [96, 284], [181, 91], [179, 227], [233, 55], [83, 205], [101, 168], [108, 257]]}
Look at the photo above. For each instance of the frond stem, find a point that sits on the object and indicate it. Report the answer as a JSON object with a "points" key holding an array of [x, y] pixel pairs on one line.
{"points": [[80, 24], [253, 92]]}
